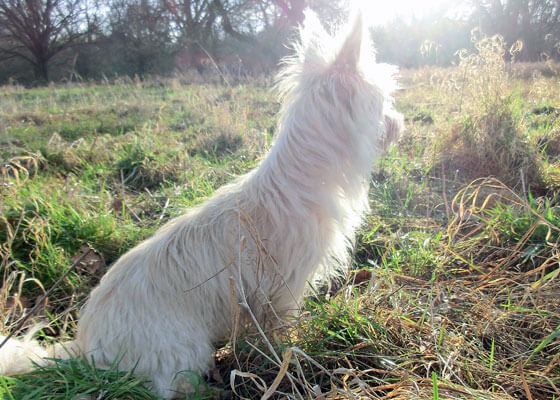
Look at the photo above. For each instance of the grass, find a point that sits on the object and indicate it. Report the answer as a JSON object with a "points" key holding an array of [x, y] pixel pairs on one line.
{"points": [[87, 382], [454, 287]]}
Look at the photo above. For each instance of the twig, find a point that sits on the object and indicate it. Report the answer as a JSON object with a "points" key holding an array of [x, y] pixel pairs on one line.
{"points": [[164, 209], [207, 280], [444, 194], [47, 294], [525, 385], [8, 246], [213, 63], [523, 184]]}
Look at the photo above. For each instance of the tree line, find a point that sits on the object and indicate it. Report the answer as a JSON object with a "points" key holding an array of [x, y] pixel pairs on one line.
{"points": [[44, 40], [436, 37]]}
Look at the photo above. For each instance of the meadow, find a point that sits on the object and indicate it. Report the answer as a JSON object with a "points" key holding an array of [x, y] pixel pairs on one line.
{"points": [[454, 287]]}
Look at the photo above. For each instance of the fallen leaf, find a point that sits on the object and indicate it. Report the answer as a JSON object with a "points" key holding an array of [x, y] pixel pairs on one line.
{"points": [[361, 276], [214, 373], [92, 263], [117, 205], [17, 301]]}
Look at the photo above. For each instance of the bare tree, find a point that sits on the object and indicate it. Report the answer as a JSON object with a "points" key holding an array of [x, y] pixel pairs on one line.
{"points": [[201, 27], [292, 9], [38, 30], [141, 32], [201, 21]]}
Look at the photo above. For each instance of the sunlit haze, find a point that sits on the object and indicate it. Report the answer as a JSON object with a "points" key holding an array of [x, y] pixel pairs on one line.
{"points": [[381, 12]]}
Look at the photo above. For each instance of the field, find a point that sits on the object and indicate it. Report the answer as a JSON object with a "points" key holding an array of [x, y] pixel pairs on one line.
{"points": [[454, 287]]}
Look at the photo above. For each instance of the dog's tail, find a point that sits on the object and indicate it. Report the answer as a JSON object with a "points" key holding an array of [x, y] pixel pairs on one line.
{"points": [[18, 356]]}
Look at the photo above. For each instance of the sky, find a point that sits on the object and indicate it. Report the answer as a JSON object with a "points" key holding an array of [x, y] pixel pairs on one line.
{"points": [[379, 12]]}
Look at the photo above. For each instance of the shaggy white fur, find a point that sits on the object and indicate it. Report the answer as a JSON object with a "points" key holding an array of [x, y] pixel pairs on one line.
{"points": [[260, 239]]}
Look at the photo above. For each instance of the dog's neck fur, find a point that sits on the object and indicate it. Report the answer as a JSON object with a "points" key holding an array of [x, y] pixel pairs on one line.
{"points": [[331, 126], [329, 134]]}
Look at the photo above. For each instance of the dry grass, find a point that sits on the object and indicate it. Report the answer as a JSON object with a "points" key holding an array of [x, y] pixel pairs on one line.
{"points": [[489, 123]]}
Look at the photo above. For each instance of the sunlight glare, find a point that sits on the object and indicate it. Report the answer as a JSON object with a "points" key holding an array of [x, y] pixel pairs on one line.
{"points": [[377, 13]]}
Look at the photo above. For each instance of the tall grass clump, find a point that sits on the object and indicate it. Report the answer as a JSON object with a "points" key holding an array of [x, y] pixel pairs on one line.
{"points": [[489, 135]]}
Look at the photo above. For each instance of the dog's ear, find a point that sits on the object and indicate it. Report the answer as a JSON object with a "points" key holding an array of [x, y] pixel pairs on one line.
{"points": [[350, 51], [309, 49], [313, 46], [347, 61], [312, 33]]}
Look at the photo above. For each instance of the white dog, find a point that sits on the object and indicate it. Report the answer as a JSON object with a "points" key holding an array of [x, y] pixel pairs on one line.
{"points": [[257, 241]]}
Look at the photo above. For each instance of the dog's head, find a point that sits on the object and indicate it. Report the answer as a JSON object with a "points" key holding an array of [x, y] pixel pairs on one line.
{"points": [[341, 71]]}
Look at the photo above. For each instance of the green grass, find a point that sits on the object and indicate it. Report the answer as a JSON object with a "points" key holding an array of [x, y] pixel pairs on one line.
{"points": [[75, 378], [454, 286]]}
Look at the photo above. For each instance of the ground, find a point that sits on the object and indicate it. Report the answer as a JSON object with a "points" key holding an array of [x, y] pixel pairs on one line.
{"points": [[454, 287]]}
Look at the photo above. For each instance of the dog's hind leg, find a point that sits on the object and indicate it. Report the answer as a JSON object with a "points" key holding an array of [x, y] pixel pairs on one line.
{"points": [[170, 353], [188, 361]]}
